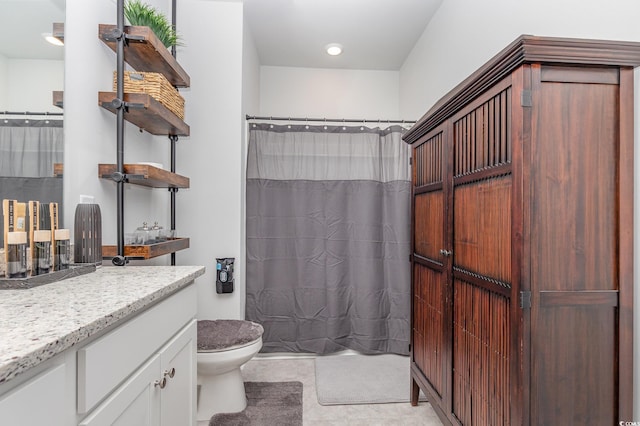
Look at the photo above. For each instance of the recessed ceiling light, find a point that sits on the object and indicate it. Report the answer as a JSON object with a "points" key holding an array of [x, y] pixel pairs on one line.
{"points": [[53, 40], [333, 49]]}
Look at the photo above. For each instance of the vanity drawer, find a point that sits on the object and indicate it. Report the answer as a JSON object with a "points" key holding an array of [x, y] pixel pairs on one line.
{"points": [[107, 362]]}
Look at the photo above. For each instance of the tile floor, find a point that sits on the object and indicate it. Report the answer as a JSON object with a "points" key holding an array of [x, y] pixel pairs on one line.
{"points": [[303, 370]]}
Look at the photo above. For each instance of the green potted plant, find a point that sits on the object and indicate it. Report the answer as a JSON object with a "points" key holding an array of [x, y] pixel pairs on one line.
{"points": [[142, 14]]}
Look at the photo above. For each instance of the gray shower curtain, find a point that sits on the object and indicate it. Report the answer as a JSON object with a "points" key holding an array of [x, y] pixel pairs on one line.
{"points": [[328, 223], [29, 148]]}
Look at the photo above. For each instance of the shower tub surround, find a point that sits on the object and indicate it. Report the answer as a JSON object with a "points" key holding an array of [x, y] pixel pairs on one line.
{"points": [[39, 323]]}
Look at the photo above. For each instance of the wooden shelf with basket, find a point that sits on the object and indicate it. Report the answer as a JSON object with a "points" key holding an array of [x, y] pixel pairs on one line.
{"points": [[147, 113], [151, 101]]}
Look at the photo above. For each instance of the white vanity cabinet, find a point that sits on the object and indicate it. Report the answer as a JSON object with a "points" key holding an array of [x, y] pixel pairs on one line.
{"points": [[136, 402], [39, 401], [117, 346], [144, 372], [178, 360], [161, 392]]}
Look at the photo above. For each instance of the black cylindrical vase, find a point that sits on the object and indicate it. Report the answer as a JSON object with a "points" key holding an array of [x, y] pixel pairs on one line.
{"points": [[87, 236]]}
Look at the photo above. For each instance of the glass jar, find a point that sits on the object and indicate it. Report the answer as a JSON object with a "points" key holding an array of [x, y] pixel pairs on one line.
{"points": [[17, 254], [160, 233], [143, 234], [41, 256], [62, 257]]}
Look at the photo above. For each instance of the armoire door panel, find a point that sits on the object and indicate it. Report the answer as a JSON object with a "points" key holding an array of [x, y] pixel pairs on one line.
{"points": [[481, 135], [574, 367], [428, 224], [574, 191], [428, 326], [428, 161], [481, 355], [574, 238], [482, 228]]}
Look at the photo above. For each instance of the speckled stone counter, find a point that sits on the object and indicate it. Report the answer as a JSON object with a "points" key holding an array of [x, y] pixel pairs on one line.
{"points": [[39, 323]]}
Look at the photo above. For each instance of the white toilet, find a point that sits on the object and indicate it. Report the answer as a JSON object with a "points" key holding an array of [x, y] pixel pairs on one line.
{"points": [[223, 347]]}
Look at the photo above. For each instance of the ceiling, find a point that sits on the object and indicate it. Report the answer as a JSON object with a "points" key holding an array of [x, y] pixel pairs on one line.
{"points": [[375, 34], [22, 23]]}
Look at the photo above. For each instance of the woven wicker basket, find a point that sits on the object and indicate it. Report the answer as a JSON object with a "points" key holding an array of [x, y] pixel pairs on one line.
{"points": [[155, 85]]}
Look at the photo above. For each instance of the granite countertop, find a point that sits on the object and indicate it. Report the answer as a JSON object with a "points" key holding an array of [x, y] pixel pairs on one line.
{"points": [[37, 324]]}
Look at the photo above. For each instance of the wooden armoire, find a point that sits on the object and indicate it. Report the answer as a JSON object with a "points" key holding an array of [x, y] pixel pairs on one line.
{"points": [[522, 252]]}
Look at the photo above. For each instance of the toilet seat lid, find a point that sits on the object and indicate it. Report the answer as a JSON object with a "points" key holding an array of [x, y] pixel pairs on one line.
{"points": [[217, 335]]}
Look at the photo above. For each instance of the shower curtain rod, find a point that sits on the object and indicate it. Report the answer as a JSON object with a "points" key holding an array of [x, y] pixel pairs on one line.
{"points": [[30, 113], [337, 120]]}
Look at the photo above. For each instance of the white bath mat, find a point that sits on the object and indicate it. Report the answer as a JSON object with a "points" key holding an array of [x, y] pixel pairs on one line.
{"points": [[363, 379]]}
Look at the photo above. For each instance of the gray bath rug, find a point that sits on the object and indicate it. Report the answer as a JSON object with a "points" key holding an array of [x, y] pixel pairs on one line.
{"points": [[268, 404], [362, 379]]}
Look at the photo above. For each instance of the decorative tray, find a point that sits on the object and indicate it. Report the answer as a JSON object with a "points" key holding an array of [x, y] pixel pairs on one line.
{"points": [[28, 282]]}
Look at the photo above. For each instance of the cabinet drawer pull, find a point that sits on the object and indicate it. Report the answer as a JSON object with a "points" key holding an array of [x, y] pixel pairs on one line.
{"points": [[161, 383], [171, 372]]}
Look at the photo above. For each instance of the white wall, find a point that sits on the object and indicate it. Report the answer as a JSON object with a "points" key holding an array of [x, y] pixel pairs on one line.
{"points": [[250, 106], [27, 84], [330, 93], [210, 211], [464, 34], [3, 83], [90, 131], [30, 83], [250, 74]]}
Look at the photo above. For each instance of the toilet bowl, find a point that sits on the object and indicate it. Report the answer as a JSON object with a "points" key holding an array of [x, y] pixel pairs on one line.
{"points": [[223, 347]]}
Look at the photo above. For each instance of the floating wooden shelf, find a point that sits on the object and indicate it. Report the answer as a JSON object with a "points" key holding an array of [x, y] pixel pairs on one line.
{"points": [[147, 113], [57, 98], [146, 175], [58, 31], [172, 245], [58, 169], [146, 53]]}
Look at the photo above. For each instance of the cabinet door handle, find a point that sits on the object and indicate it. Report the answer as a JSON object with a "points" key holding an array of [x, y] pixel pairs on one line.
{"points": [[161, 383], [446, 253], [171, 372]]}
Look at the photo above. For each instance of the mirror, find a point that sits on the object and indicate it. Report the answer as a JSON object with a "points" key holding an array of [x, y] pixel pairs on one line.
{"points": [[31, 70]]}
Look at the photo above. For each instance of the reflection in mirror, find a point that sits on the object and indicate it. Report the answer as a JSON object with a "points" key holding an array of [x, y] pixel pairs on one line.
{"points": [[31, 132]]}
